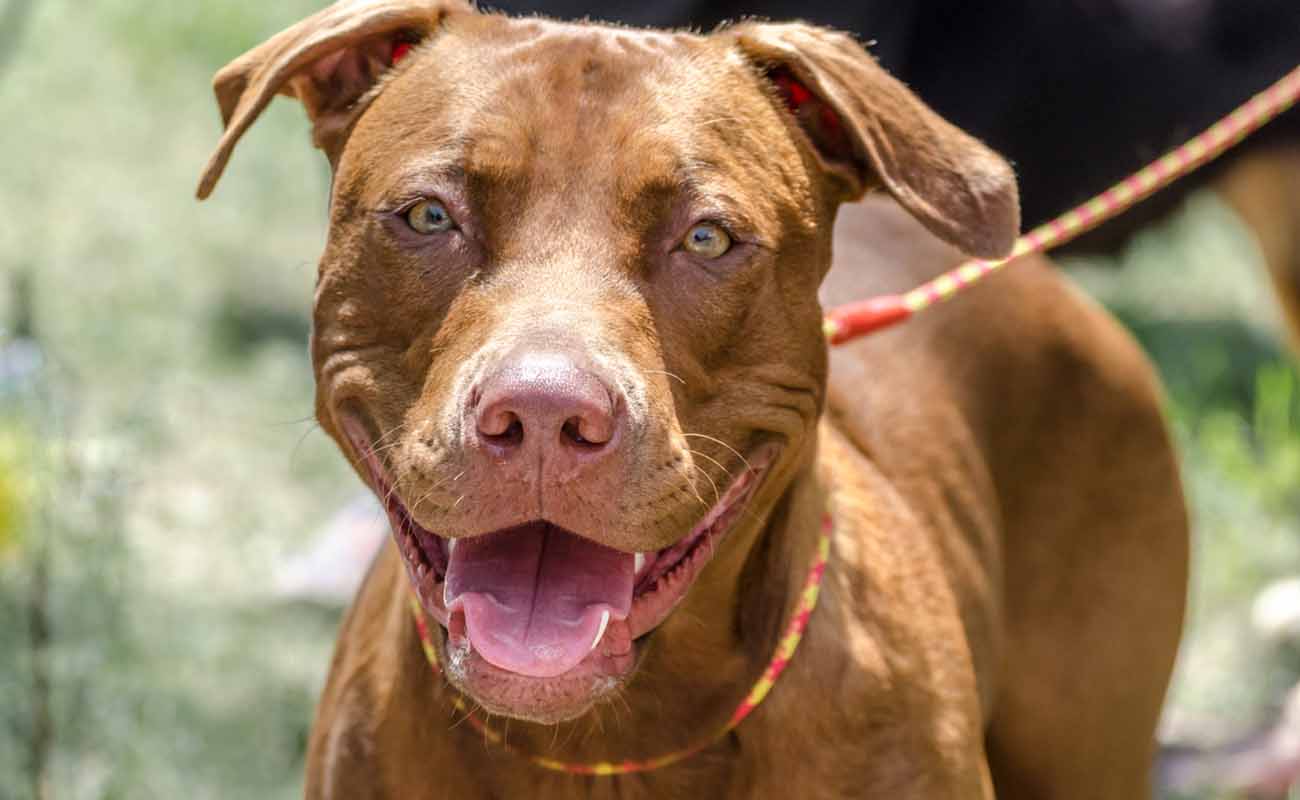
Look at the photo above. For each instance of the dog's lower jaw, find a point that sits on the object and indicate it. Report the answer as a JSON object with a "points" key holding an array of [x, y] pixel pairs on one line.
{"points": [[544, 701]]}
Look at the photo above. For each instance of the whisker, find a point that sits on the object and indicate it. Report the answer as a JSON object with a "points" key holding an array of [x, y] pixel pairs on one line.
{"points": [[376, 449], [721, 466], [386, 447], [691, 485], [597, 726], [293, 455], [388, 496], [282, 423], [487, 725], [717, 495], [672, 375], [568, 735], [415, 507], [394, 431], [620, 697], [462, 708], [736, 452], [463, 714]]}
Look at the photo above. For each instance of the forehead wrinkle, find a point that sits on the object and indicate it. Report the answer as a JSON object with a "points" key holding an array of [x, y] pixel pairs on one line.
{"points": [[443, 163], [699, 183], [734, 140], [522, 114], [581, 62], [679, 108], [707, 120], [607, 79]]}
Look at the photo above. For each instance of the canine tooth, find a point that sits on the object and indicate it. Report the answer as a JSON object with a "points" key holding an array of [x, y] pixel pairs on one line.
{"points": [[637, 563], [451, 546], [604, 622]]}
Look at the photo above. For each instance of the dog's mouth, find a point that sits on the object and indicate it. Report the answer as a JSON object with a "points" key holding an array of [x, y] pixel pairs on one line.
{"points": [[537, 601]]}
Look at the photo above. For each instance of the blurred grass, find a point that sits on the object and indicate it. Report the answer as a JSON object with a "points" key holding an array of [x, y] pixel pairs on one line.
{"points": [[162, 461], [181, 463]]}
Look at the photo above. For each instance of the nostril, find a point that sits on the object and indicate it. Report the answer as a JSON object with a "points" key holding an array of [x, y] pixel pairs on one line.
{"points": [[504, 428], [572, 432], [579, 432], [514, 433]]}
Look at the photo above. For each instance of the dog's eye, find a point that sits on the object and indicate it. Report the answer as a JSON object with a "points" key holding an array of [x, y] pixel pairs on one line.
{"points": [[429, 217], [707, 240]]}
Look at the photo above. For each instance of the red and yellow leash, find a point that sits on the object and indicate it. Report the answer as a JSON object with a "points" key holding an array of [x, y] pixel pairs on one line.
{"points": [[858, 319], [851, 321]]}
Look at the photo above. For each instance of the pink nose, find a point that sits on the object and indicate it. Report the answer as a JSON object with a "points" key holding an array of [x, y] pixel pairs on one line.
{"points": [[546, 402]]}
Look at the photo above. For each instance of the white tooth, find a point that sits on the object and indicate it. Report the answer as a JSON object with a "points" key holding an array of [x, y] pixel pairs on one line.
{"points": [[604, 623], [637, 563], [451, 546]]}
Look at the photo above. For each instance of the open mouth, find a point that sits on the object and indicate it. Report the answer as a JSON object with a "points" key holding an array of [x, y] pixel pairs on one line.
{"points": [[542, 602]]}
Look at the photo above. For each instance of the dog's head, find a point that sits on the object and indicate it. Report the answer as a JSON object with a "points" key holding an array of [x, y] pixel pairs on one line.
{"points": [[566, 323]]}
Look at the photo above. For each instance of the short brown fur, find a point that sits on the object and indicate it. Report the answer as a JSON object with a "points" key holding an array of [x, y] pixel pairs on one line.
{"points": [[1005, 593]]}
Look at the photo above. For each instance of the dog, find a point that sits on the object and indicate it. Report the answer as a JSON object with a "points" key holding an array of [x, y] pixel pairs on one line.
{"points": [[568, 328]]}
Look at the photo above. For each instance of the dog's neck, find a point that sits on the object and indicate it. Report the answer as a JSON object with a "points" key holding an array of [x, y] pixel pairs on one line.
{"points": [[723, 635]]}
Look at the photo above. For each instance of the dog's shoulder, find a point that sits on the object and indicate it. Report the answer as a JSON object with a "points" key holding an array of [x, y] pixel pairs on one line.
{"points": [[980, 405], [1023, 332]]}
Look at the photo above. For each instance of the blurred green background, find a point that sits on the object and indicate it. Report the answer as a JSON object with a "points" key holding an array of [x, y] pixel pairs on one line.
{"points": [[158, 459]]}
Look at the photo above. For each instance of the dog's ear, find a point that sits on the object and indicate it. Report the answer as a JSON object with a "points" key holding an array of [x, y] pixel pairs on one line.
{"points": [[329, 62], [867, 129]]}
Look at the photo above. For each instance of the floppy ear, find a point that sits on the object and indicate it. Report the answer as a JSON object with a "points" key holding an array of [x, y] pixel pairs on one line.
{"points": [[329, 62], [867, 129]]}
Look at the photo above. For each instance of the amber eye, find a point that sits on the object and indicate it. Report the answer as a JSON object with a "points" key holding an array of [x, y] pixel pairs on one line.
{"points": [[707, 240], [429, 217]]}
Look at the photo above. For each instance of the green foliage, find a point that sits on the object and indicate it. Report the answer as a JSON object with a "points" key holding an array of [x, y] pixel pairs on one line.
{"points": [[1261, 450], [180, 463], [158, 36]]}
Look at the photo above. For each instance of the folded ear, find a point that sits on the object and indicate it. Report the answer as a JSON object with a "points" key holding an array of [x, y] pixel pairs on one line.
{"points": [[329, 62], [867, 129]]}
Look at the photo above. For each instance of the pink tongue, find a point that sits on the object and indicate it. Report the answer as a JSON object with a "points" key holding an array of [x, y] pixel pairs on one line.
{"points": [[534, 595]]}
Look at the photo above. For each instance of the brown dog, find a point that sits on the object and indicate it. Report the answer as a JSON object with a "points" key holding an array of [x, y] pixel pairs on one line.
{"points": [[567, 327]]}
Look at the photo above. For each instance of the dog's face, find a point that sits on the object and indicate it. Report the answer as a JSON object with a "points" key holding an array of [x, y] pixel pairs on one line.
{"points": [[566, 324]]}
